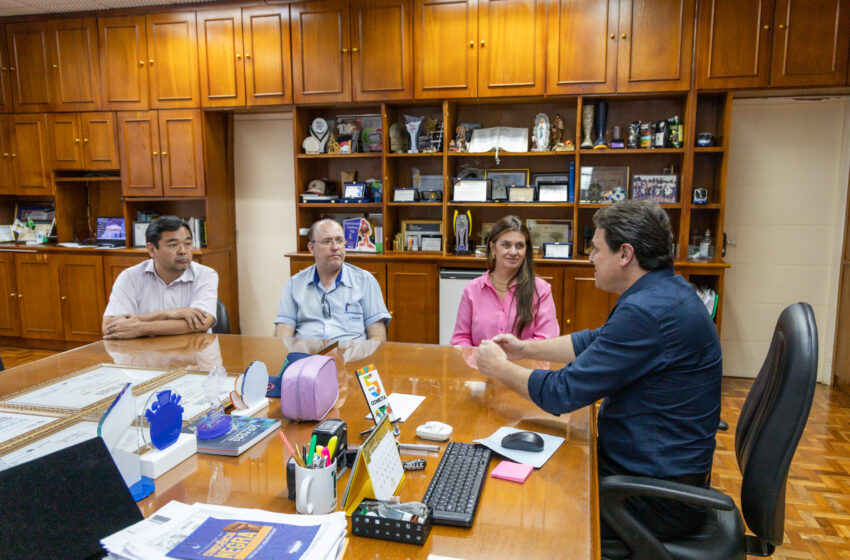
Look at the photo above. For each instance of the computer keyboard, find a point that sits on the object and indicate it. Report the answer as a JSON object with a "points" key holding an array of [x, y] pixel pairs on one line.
{"points": [[455, 489]]}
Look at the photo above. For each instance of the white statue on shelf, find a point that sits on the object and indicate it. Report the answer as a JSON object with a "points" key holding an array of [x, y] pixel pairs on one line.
{"points": [[540, 135]]}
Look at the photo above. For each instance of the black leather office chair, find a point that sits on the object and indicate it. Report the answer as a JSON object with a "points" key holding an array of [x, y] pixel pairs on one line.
{"points": [[2, 367], [769, 428], [222, 324]]}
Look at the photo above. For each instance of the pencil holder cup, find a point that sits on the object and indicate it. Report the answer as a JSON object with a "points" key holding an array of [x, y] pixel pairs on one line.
{"points": [[315, 489]]}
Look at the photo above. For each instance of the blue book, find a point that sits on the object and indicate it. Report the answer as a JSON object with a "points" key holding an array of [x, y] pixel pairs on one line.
{"points": [[232, 538], [571, 192], [245, 432]]}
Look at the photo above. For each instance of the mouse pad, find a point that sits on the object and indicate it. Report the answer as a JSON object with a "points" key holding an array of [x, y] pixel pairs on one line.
{"points": [[534, 458]]}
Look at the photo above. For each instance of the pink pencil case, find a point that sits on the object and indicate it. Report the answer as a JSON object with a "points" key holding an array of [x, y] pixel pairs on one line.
{"points": [[309, 388]]}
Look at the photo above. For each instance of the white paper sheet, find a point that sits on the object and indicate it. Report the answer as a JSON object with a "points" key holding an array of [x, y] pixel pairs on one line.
{"points": [[403, 405]]}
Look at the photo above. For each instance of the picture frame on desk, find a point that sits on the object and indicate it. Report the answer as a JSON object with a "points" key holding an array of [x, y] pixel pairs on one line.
{"points": [[603, 184], [557, 250], [418, 234]]}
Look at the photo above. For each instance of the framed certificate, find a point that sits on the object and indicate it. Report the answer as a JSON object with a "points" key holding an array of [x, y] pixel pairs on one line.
{"points": [[405, 195], [422, 235], [552, 192], [557, 250], [471, 190]]}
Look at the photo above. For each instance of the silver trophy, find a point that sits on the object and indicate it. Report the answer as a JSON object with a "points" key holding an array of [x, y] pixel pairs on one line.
{"points": [[587, 126]]}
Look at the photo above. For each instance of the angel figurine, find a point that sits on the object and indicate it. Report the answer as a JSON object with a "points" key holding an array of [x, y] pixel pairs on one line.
{"points": [[556, 134]]}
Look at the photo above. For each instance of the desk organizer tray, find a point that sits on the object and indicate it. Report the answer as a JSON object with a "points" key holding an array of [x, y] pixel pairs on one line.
{"points": [[372, 526]]}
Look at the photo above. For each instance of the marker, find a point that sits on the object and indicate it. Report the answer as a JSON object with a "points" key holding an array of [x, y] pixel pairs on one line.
{"points": [[327, 457], [312, 450], [331, 447]]}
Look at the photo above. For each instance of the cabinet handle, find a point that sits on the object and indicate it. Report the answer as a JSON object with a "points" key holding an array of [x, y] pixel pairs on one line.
{"points": [[150, 61], [248, 55], [472, 44], [6, 154], [766, 27], [141, 63], [156, 153], [14, 155], [63, 298], [12, 68], [569, 321], [482, 42], [238, 56], [3, 68], [355, 49], [344, 50], [783, 26], [85, 140], [55, 66], [623, 35], [77, 140], [20, 296], [613, 36], [164, 154], [12, 294]]}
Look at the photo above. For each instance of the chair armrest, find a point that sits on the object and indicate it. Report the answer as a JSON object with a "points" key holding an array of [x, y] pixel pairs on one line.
{"points": [[614, 490]]}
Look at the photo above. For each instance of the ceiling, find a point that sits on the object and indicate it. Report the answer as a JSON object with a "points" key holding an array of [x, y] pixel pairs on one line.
{"points": [[31, 7]]}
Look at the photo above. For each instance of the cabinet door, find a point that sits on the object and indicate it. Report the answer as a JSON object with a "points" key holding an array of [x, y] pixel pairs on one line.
{"points": [[810, 43], [74, 70], [655, 45], [412, 300], [582, 46], [379, 271], [31, 155], [30, 66], [10, 324], [66, 140], [445, 52], [7, 169], [82, 296], [100, 148], [511, 47], [123, 62], [5, 77], [38, 296], [173, 60], [182, 156], [321, 65], [733, 43], [555, 276], [220, 52], [381, 50], [268, 58], [113, 265], [138, 149], [585, 305]]}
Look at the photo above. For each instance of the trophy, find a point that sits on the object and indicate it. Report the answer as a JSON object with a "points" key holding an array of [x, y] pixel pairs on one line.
{"points": [[462, 227], [587, 125], [412, 124], [601, 118], [215, 422]]}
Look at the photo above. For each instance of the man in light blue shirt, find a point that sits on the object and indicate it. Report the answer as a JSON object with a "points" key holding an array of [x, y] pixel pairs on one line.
{"points": [[331, 300]]}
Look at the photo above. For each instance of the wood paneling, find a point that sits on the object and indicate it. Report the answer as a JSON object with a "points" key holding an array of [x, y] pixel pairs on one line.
{"points": [[381, 49], [412, 299], [30, 66], [182, 152], [38, 296], [221, 58], [113, 265], [81, 292], [6, 105], [555, 276], [507, 66], [66, 140], [173, 60], [75, 70], [268, 58], [100, 147], [321, 68], [445, 55], [31, 155], [585, 305], [7, 168], [123, 63], [138, 148]]}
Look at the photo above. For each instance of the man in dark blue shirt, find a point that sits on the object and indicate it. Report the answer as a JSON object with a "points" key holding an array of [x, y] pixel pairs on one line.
{"points": [[656, 363]]}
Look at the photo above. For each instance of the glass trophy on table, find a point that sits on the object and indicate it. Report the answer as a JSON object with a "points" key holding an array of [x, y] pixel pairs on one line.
{"points": [[215, 422]]}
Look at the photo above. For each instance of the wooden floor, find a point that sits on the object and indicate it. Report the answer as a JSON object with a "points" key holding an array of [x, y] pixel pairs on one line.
{"points": [[817, 500]]}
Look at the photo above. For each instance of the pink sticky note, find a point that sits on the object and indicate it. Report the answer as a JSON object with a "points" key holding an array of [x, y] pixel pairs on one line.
{"points": [[515, 472]]}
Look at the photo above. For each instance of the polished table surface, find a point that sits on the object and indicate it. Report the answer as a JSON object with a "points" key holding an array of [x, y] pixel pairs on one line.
{"points": [[552, 515]]}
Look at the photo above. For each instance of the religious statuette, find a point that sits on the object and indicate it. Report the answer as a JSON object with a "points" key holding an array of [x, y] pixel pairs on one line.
{"points": [[462, 227], [540, 133], [601, 120], [556, 133], [587, 125]]}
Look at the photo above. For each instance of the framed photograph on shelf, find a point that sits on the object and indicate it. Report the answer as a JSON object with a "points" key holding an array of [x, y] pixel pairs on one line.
{"points": [[663, 189], [422, 235], [603, 184], [549, 231], [538, 178], [504, 178]]}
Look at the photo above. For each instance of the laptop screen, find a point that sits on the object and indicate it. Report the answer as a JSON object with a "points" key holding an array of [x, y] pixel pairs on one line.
{"points": [[110, 230]]}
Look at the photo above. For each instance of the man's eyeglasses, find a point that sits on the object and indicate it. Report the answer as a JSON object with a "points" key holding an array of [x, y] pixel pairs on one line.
{"points": [[339, 241], [326, 307]]}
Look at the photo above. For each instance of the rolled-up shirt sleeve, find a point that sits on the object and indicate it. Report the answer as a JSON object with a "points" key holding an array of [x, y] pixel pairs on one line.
{"points": [[205, 295], [627, 347], [287, 309], [374, 308]]}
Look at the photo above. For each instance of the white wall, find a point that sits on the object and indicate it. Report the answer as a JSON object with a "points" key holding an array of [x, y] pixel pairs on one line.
{"points": [[786, 189], [265, 214]]}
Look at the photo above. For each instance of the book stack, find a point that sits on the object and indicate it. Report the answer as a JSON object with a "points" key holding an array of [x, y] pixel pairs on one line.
{"points": [[198, 227]]}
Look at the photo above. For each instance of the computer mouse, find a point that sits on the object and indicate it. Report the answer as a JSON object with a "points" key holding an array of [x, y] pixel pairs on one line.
{"points": [[523, 441]]}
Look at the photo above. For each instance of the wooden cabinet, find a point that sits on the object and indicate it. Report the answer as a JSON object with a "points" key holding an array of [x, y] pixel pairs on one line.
{"points": [[10, 324], [123, 63], [173, 60], [483, 48], [30, 155], [161, 153], [38, 296], [756, 43], [30, 66], [6, 105], [83, 141], [113, 265], [603, 46], [81, 293], [355, 52], [555, 276], [585, 305], [7, 169], [245, 57], [412, 300]]}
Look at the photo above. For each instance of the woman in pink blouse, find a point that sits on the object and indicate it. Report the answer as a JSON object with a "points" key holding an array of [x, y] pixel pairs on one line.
{"points": [[508, 298]]}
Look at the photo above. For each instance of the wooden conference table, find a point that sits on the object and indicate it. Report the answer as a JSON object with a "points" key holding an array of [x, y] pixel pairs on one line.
{"points": [[554, 514]]}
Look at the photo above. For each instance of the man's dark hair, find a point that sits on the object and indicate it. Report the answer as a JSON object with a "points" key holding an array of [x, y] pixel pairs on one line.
{"points": [[643, 225], [164, 223]]}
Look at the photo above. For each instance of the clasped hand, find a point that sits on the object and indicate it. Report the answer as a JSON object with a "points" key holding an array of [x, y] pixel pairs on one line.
{"points": [[502, 347]]}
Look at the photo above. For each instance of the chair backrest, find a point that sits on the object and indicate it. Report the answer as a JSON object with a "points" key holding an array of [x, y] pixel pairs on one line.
{"points": [[772, 420], [222, 319]]}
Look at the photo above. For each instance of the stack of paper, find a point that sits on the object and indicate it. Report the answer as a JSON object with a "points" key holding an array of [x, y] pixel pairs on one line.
{"points": [[178, 531]]}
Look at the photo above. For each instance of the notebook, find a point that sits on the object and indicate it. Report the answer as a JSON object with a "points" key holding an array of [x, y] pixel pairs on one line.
{"points": [[62, 504]]}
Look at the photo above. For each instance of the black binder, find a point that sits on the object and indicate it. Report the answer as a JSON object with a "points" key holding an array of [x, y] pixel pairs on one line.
{"points": [[62, 504]]}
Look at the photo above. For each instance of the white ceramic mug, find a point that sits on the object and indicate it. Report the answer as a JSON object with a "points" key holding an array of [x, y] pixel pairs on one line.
{"points": [[315, 489]]}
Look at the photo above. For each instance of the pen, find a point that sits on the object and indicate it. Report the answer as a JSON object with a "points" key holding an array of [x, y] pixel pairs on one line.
{"points": [[419, 446], [289, 447], [304, 454], [312, 450]]}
